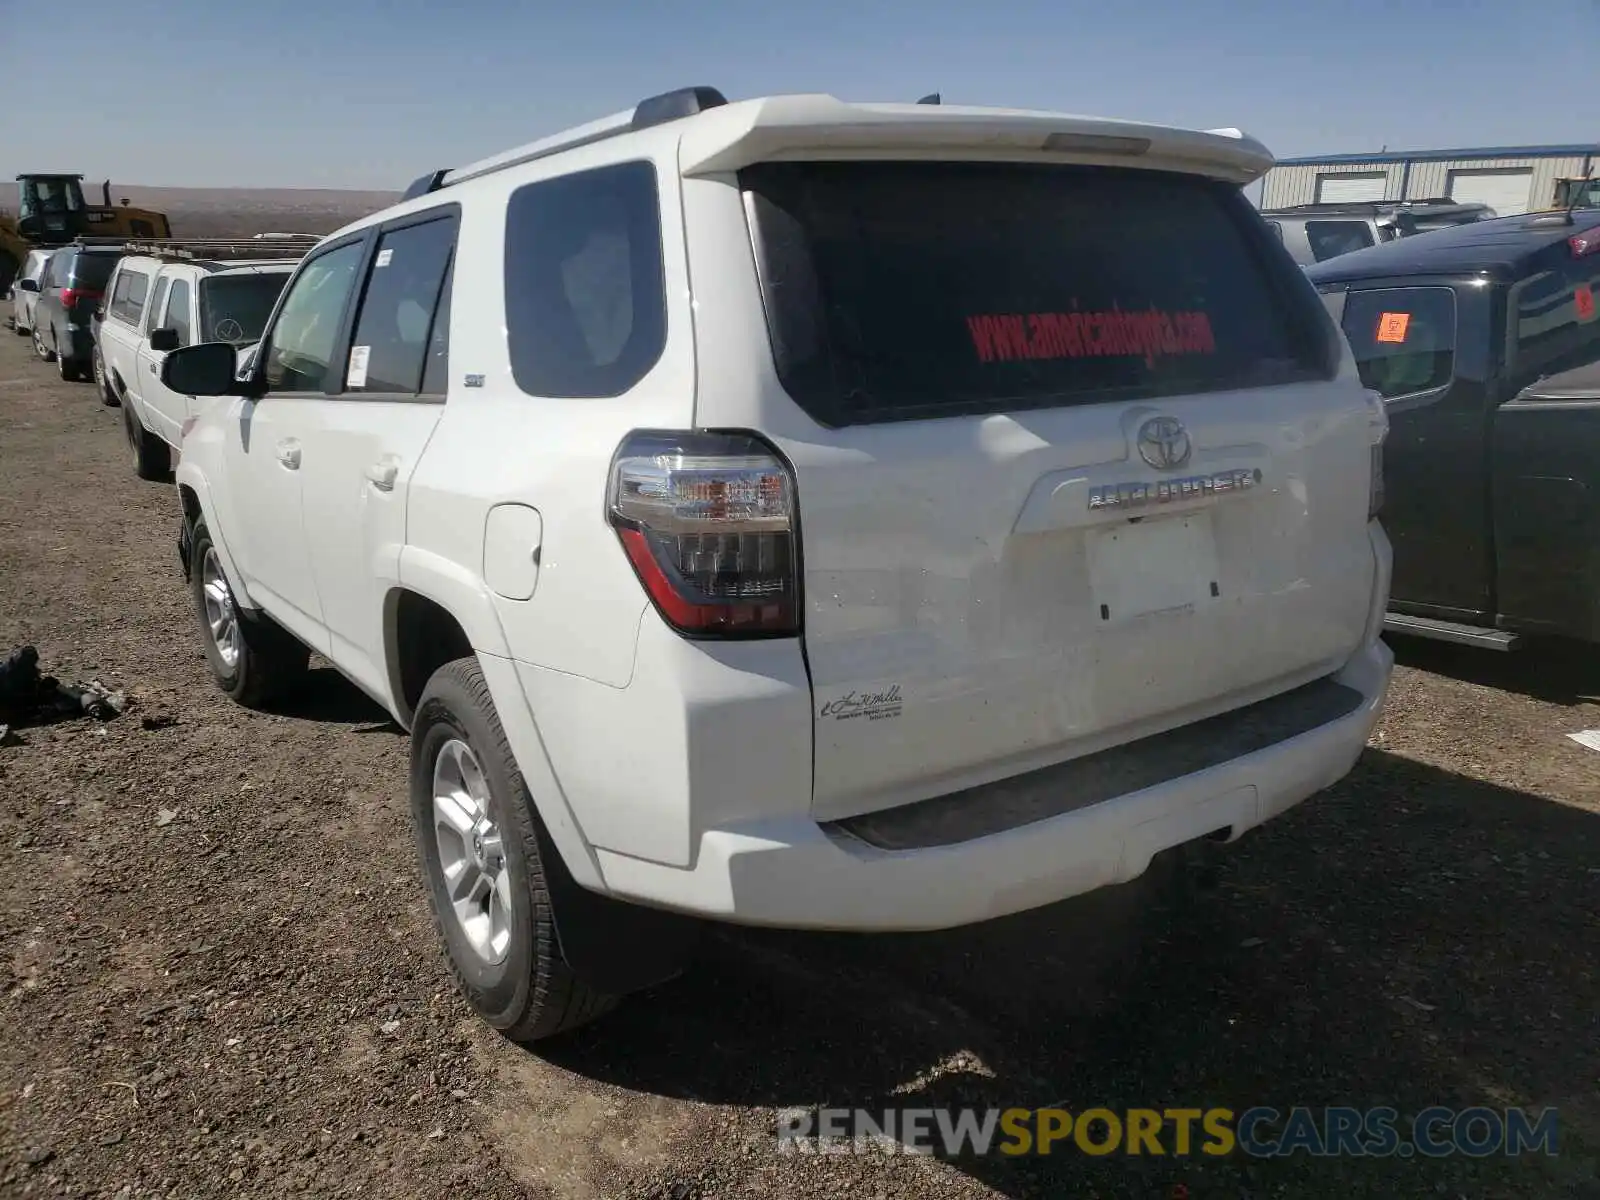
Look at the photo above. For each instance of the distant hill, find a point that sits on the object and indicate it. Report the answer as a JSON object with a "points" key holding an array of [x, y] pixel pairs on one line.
{"points": [[237, 212]]}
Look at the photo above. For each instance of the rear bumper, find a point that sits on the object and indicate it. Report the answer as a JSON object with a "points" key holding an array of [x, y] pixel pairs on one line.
{"points": [[798, 873]]}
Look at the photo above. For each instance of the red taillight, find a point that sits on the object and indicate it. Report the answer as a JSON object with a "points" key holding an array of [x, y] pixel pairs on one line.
{"points": [[72, 297], [708, 522], [1584, 243]]}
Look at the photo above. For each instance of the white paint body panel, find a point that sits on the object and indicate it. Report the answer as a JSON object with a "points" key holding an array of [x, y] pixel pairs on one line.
{"points": [[954, 560]]}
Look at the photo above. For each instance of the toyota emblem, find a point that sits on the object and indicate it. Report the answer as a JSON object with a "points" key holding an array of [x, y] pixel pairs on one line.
{"points": [[1164, 443]]}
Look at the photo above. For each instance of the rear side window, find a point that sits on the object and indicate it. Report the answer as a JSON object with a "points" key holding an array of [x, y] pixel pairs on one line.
{"points": [[436, 371], [585, 290], [1329, 239], [1404, 339], [390, 344], [907, 290], [177, 318], [127, 298]]}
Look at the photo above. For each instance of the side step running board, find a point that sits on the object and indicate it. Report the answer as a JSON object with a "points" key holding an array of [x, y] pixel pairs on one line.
{"points": [[1451, 631]]}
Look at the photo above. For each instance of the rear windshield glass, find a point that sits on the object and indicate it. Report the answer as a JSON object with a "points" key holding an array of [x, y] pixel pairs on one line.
{"points": [[93, 270], [901, 290], [235, 308]]}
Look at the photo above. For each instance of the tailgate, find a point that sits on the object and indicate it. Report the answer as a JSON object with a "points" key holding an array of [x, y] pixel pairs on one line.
{"points": [[1076, 468]]}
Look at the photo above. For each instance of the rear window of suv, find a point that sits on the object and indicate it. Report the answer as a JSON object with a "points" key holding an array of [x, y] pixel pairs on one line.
{"points": [[910, 290], [93, 270]]}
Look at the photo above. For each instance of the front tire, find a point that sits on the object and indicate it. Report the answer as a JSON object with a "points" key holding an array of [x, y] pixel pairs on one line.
{"points": [[477, 837], [253, 659]]}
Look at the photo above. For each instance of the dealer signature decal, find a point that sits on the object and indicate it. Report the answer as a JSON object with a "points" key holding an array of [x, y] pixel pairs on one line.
{"points": [[874, 706]]}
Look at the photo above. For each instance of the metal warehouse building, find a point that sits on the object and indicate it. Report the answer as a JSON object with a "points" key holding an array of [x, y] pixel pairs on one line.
{"points": [[1509, 179]]}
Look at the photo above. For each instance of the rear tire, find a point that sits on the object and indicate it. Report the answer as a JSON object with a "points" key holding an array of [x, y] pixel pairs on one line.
{"points": [[102, 382], [152, 458], [70, 369], [502, 948], [40, 350], [252, 658]]}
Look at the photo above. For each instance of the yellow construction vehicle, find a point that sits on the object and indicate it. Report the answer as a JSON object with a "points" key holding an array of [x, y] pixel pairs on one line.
{"points": [[51, 212]]}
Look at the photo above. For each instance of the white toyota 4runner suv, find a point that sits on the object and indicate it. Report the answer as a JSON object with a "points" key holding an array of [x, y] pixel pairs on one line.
{"points": [[801, 513]]}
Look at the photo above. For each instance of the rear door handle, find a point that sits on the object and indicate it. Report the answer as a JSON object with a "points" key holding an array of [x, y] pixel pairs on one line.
{"points": [[383, 473], [289, 453]]}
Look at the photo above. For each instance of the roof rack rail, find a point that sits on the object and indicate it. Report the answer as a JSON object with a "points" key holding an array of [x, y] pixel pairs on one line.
{"points": [[287, 246], [652, 110]]}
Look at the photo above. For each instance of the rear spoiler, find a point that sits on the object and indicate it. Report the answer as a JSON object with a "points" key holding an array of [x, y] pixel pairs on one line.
{"points": [[819, 126]]}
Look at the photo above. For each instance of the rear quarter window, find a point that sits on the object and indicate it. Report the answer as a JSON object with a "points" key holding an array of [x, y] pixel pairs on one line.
{"points": [[128, 295], [584, 282], [909, 290]]}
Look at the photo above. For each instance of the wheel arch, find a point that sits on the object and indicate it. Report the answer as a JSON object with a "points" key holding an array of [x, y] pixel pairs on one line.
{"points": [[195, 497]]}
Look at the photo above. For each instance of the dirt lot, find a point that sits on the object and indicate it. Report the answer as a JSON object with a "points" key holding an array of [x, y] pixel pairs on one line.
{"points": [[248, 999]]}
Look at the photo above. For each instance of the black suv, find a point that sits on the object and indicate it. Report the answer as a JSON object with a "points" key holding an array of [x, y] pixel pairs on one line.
{"points": [[70, 292], [1480, 340], [1314, 233]]}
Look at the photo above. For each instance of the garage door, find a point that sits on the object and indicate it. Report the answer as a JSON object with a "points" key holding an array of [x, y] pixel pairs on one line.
{"points": [[1349, 189], [1504, 191]]}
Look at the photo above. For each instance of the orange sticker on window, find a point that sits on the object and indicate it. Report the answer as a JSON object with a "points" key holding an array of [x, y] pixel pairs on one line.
{"points": [[1392, 327], [1583, 300]]}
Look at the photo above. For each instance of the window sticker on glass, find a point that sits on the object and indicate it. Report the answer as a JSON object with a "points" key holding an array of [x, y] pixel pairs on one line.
{"points": [[1114, 334], [357, 375], [1392, 327], [384, 257], [1583, 301]]}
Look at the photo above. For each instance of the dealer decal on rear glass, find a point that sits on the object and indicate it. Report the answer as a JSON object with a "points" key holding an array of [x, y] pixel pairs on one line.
{"points": [[1102, 333], [1392, 327]]}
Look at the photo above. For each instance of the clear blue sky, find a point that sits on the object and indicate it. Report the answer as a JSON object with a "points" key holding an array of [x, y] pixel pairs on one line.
{"points": [[371, 93]]}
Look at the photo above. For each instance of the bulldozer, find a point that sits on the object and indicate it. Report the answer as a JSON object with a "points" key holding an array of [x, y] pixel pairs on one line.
{"points": [[52, 212]]}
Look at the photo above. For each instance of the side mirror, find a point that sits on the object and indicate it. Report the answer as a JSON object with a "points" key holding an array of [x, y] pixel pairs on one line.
{"points": [[164, 341], [28, 285], [204, 370]]}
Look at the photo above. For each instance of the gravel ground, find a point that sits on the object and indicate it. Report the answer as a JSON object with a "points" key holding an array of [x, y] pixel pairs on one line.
{"points": [[245, 998]]}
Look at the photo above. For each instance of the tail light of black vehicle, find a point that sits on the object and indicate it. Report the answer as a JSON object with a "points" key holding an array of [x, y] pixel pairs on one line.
{"points": [[709, 522], [72, 297]]}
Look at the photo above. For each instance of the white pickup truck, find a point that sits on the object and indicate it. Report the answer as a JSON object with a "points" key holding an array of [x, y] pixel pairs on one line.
{"points": [[153, 306]]}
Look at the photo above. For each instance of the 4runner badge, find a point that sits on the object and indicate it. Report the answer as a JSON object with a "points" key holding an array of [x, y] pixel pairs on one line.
{"points": [[873, 706]]}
